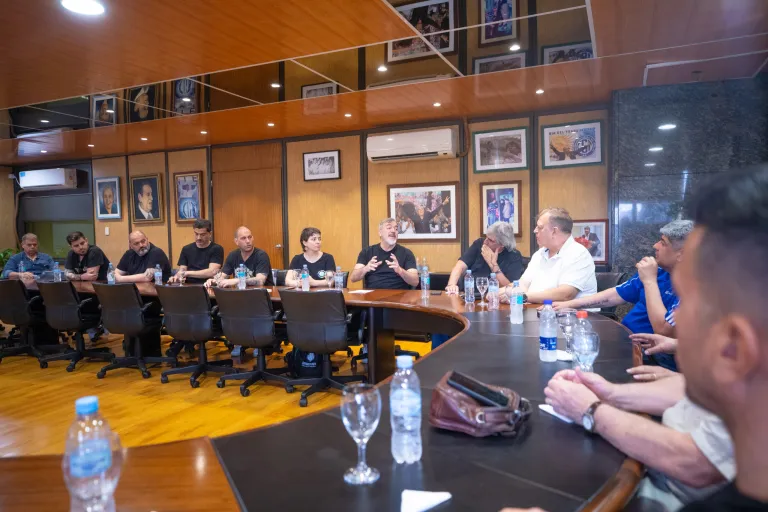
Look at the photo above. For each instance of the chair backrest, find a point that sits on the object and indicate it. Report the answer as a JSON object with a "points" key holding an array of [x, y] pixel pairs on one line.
{"points": [[346, 278], [526, 261], [187, 312], [121, 308], [62, 305], [317, 321], [438, 280], [281, 274], [246, 316], [607, 280], [14, 303]]}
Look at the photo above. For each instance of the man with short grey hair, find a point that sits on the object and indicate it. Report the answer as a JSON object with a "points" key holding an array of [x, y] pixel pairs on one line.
{"points": [[29, 262], [400, 271]]}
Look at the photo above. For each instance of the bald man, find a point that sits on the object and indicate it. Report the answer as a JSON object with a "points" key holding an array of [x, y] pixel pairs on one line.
{"points": [[257, 267], [138, 263]]}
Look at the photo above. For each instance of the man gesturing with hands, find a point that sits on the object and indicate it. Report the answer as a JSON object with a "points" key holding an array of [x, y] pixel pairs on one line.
{"points": [[386, 265]]}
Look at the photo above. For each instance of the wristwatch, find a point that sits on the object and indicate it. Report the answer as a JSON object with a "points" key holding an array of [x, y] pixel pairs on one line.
{"points": [[588, 419], [525, 298]]}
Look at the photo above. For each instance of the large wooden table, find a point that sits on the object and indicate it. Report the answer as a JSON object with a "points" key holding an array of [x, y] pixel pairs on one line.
{"points": [[298, 465]]}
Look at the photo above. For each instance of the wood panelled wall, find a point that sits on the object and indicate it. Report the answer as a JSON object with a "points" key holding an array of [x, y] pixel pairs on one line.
{"points": [[181, 162], [146, 165], [116, 243], [7, 210]]}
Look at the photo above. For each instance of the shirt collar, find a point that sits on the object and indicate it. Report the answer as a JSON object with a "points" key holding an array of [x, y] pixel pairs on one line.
{"points": [[567, 243]]}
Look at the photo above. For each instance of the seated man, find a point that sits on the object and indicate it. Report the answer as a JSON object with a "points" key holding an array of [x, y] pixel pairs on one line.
{"points": [[494, 253], [29, 262], [202, 259], [400, 271], [562, 269], [85, 262], [138, 263], [257, 267]]}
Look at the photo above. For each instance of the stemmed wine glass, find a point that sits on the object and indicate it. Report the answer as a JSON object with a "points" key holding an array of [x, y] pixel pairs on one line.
{"points": [[482, 287], [360, 412], [586, 346], [567, 320]]}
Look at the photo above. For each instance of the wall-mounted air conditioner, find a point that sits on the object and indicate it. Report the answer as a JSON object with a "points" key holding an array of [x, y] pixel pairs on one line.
{"points": [[439, 143], [48, 179]]}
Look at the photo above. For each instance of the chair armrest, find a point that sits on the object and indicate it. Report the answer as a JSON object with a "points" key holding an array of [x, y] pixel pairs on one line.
{"points": [[276, 315], [34, 300], [86, 301], [214, 311]]}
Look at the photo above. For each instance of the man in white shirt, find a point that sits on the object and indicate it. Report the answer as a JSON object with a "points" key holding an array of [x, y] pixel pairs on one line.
{"points": [[562, 269]]}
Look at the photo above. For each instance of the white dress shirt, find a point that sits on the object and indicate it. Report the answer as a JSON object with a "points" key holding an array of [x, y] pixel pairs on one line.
{"points": [[572, 265], [147, 215]]}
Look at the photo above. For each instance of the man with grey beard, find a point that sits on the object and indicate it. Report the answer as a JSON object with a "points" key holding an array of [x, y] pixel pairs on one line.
{"points": [[138, 263], [386, 265]]}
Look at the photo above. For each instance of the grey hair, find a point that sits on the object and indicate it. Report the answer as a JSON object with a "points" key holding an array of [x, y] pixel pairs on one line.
{"points": [[386, 221], [504, 232], [677, 231], [28, 236], [559, 218]]}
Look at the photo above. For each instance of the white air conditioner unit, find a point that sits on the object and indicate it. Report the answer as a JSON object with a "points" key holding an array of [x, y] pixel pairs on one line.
{"points": [[440, 143], [48, 179]]}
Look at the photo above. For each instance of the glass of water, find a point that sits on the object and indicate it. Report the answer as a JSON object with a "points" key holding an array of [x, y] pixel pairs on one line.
{"points": [[482, 287], [567, 320], [360, 412], [586, 346], [274, 277]]}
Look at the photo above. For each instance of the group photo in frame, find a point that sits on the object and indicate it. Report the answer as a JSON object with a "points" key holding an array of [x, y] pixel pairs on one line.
{"points": [[500, 23], [322, 165], [572, 144], [189, 196], [107, 198], [146, 198], [425, 211], [567, 52], [435, 20], [501, 201], [593, 235], [494, 63], [103, 110], [500, 150]]}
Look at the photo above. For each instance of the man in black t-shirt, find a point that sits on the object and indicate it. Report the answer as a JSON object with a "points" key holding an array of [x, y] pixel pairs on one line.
{"points": [[85, 262], [202, 259], [257, 267], [386, 265], [138, 263]]}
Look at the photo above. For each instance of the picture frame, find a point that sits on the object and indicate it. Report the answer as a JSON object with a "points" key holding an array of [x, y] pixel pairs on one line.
{"points": [[439, 207], [185, 88], [188, 191], [103, 110], [572, 144], [323, 165], [579, 50], [495, 63], [496, 11], [496, 191], [595, 240], [141, 186], [142, 103], [428, 17], [500, 150], [320, 98], [319, 90], [107, 200]]}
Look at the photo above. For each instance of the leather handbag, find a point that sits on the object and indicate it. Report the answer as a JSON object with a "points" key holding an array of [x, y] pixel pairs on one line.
{"points": [[453, 410]]}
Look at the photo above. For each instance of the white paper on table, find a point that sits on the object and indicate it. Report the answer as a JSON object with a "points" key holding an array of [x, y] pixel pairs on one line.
{"points": [[418, 501], [362, 291], [562, 355], [548, 409]]}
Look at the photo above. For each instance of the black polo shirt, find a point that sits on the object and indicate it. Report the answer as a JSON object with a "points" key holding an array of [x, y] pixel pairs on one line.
{"points": [[95, 257], [384, 277], [132, 264], [510, 262], [195, 258], [257, 263], [728, 498], [317, 269]]}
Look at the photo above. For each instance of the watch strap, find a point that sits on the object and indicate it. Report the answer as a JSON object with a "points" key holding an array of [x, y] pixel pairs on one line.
{"points": [[591, 413]]}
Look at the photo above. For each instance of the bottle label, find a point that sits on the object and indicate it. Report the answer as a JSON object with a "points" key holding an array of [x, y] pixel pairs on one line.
{"points": [[547, 343], [405, 402], [92, 458], [519, 299]]}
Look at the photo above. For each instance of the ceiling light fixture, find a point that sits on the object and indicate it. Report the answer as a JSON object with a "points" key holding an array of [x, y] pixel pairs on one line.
{"points": [[203, 132], [144, 138], [390, 139], [109, 111], [655, 149], [514, 47], [91, 146], [270, 124], [539, 91], [186, 100], [347, 115], [436, 104], [44, 121], [43, 151], [87, 7], [668, 126], [650, 164], [382, 68], [275, 85]]}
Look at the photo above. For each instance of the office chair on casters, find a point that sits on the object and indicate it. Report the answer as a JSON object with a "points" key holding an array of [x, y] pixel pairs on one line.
{"points": [[188, 316], [65, 311], [317, 322]]}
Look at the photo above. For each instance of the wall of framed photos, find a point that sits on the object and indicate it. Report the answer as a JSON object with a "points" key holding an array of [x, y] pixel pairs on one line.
{"points": [[116, 243]]}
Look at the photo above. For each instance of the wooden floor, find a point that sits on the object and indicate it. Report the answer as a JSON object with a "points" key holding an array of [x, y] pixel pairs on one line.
{"points": [[37, 406]]}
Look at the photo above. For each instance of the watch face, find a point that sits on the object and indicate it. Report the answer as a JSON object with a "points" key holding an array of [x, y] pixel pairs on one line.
{"points": [[587, 422]]}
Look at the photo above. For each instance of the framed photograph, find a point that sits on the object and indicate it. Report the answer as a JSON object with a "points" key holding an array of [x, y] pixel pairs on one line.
{"points": [[500, 23], [103, 110], [435, 20], [186, 96], [147, 198], [425, 211], [567, 52], [570, 145], [142, 104], [593, 234], [321, 98], [494, 63], [501, 202], [500, 150], [107, 198], [188, 187], [322, 166], [317, 90]]}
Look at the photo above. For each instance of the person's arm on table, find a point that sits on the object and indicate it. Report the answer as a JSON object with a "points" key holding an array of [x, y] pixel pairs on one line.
{"points": [[146, 277], [647, 271], [655, 343], [650, 373], [603, 299], [453, 281], [256, 280], [90, 274], [564, 292], [410, 276]]}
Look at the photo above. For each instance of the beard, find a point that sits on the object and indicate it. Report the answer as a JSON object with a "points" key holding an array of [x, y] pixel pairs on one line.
{"points": [[143, 251]]}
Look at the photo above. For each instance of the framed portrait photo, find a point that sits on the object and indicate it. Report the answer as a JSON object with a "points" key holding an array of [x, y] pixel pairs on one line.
{"points": [[499, 19], [146, 199], [567, 52], [570, 145], [103, 110], [325, 165], [425, 211], [593, 234], [107, 198], [495, 63], [435, 20], [500, 150], [142, 103], [188, 189], [500, 201]]}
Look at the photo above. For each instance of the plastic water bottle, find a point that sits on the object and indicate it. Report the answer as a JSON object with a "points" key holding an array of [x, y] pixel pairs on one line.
{"points": [[493, 292], [241, 277], [90, 470], [111, 274], [158, 275], [425, 281], [56, 273], [338, 279], [405, 412], [547, 333], [516, 304], [582, 326], [22, 268], [469, 287], [304, 279]]}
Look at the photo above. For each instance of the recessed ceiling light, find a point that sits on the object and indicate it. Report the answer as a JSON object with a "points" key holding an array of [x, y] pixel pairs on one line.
{"points": [[390, 139], [539, 91], [436, 104], [650, 164], [87, 7], [347, 115], [668, 126], [275, 85], [186, 100], [203, 132], [382, 68], [91, 145], [514, 47], [110, 111], [270, 124], [44, 121], [43, 151], [143, 138], [654, 149]]}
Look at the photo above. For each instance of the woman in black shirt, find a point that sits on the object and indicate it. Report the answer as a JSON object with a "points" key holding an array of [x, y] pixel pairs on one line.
{"points": [[319, 264]]}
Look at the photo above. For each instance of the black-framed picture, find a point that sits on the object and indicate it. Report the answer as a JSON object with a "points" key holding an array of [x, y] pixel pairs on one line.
{"points": [[147, 198], [501, 201], [317, 90], [566, 52], [324, 165], [320, 98], [502, 62], [425, 211], [500, 150], [499, 19], [103, 110], [142, 103], [435, 20], [593, 234], [186, 96], [189, 196], [572, 144], [107, 198]]}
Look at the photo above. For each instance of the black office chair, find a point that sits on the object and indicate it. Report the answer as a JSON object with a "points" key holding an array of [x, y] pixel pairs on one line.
{"points": [[66, 312], [438, 280], [124, 312], [605, 281], [281, 277], [188, 316], [247, 319], [317, 322]]}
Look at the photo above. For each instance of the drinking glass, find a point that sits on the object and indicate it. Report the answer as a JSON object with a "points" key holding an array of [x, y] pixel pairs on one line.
{"points": [[329, 279], [360, 412], [482, 287], [274, 277], [297, 277], [182, 276], [586, 346], [567, 320]]}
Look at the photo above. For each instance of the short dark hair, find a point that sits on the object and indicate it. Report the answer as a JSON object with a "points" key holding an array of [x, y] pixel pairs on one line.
{"points": [[74, 237], [203, 224], [306, 234]]}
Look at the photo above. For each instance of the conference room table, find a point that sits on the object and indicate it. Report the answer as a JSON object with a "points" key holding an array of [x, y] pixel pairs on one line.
{"points": [[299, 464]]}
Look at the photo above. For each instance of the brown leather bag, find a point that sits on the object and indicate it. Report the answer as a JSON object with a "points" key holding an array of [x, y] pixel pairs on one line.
{"points": [[453, 410]]}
